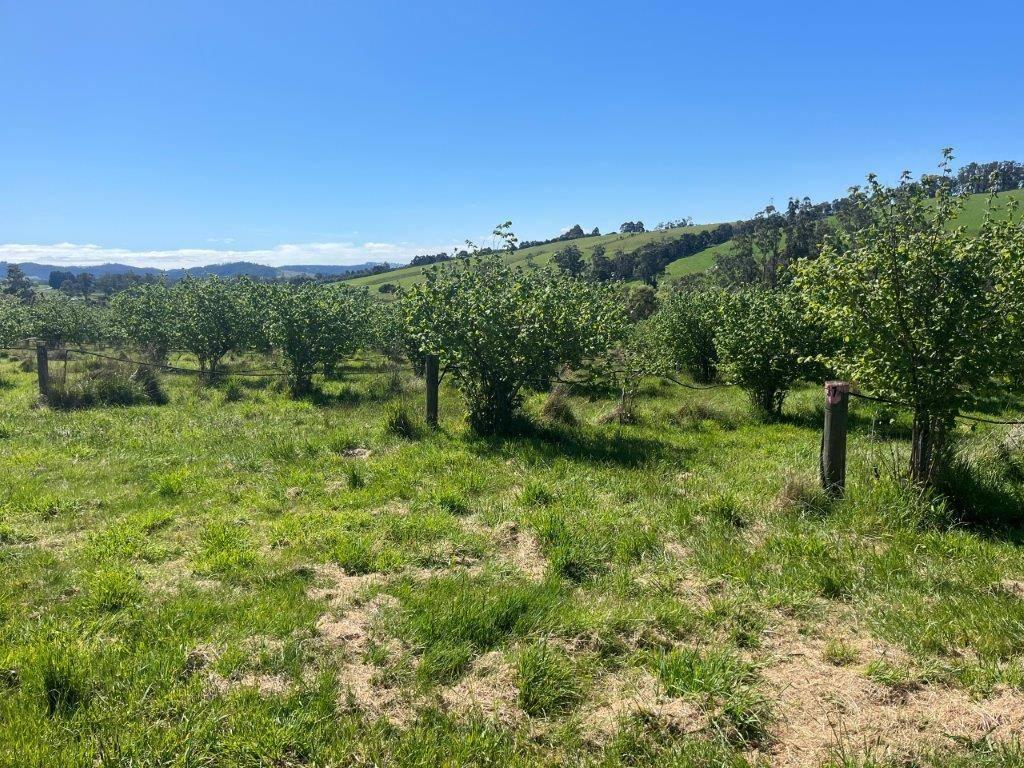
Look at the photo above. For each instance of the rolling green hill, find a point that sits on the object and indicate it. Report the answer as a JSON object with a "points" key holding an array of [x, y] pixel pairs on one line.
{"points": [[972, 217], [539, 254]]}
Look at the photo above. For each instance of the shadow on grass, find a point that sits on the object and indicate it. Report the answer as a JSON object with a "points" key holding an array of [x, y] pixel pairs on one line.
{"points": [[378, 391], [550, 442], [989, 503], [881, 422]]}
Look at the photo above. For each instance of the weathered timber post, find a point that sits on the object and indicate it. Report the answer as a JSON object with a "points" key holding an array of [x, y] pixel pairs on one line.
{"points": [[833, 440], [43, 370], [430, 373]]}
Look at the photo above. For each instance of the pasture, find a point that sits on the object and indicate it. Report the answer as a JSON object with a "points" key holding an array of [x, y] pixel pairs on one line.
{"points": [[237, 578]]}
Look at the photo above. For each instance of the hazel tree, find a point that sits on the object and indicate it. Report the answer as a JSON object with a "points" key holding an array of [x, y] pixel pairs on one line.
{"points": [[14, 326], [59, 320], [763, 342], [315, 326], [501, 330], [142, 316], [209, 319], [929, 315], [682, 333]]}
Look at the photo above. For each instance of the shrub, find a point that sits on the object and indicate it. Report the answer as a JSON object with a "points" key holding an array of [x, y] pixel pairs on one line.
{"points": [[930, 315], [763, 342], [501, 329], [682, 333]]}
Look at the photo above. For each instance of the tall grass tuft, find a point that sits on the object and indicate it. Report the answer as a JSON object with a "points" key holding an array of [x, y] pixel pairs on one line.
{"points": [[65, 681], [557, 408], [400, 423], [108, 385], [549, 682]]}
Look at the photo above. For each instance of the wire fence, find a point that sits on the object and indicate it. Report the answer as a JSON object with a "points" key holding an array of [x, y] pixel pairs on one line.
{"points": [[907, 406], [278, 373], [256, 372]]}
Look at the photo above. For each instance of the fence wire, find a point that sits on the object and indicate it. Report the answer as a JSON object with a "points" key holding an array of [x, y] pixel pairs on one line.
{"points": [[906, 406], [255, 372]]}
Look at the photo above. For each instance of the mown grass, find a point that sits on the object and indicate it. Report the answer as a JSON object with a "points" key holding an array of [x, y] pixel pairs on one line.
{"points": [[136, 541]]}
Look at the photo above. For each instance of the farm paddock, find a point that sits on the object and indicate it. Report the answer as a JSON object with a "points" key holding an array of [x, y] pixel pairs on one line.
{"points": [[236, 578]]}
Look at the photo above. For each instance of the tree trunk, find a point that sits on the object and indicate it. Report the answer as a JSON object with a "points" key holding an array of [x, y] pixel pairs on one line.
{"points": [[301, 384], [927, 447]]}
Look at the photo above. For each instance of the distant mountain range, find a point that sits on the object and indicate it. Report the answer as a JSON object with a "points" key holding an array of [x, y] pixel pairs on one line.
{"points": [[41, 272]]}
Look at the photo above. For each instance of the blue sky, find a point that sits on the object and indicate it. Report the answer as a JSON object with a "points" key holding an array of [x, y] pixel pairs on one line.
{"points": [[190, 132]]}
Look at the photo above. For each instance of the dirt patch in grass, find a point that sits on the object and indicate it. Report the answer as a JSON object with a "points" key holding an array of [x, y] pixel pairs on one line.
{"points": [[521, 549], [265, 685], [489, 689], [362, 682], [825, 709], [357, 453], [200, 660], [337, 587], [347, 630], [1011, 587], [631, 693]]}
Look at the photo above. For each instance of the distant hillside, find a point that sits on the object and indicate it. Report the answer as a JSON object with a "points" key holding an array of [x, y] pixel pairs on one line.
{"points": [[41, 272], [541, 254], [972, 217]]}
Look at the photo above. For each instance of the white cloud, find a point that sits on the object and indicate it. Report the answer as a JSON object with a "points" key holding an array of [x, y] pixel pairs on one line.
{"points": [[72, 254]]}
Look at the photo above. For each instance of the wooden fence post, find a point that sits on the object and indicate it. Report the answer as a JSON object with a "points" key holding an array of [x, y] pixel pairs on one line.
{"points": [[833, 440], [430, 371], [43, 370]]}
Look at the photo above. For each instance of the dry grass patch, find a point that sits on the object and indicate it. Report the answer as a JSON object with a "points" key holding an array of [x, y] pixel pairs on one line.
{"points": [[826, 709], [635, 692], [488, 689]]}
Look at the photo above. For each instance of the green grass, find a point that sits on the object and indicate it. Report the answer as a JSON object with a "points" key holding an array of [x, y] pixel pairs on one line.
{"points": [[161, 563]]}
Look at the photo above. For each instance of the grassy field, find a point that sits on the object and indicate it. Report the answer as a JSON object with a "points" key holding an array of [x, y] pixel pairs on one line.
{"points": [[237, 579]]}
